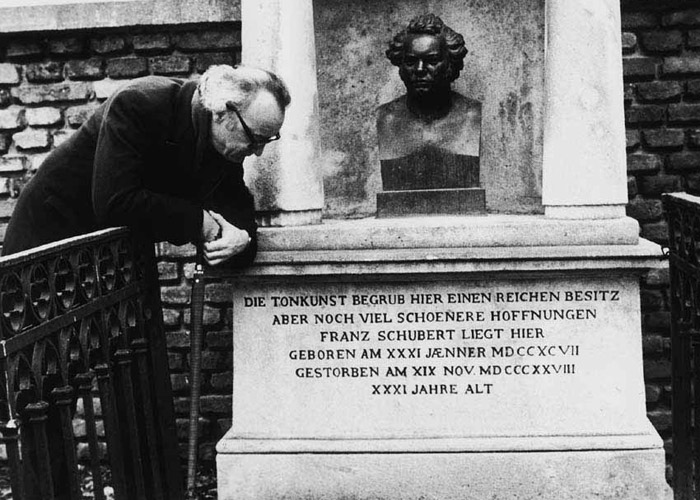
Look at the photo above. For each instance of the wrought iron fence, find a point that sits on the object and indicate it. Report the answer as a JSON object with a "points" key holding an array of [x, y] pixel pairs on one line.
{"points": [[683, 214], [81, 323]]}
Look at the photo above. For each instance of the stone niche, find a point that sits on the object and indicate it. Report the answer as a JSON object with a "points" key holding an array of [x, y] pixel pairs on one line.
{"points": [[504, 70], [444, 357]]}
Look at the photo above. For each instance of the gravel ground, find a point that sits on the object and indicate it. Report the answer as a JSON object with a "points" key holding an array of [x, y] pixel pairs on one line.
{"points": [[205, 484]]}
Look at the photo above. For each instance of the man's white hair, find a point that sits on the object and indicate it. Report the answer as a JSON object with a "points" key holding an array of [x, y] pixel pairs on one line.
{"points": [[221, 84]]}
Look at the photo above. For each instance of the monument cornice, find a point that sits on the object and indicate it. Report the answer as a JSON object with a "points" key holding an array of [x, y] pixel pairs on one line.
{"points": [[450, 263], [59, 15], [451, 232]]}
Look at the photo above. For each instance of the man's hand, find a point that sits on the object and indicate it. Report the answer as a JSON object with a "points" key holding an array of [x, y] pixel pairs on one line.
{"points": [[232, 242], [210, 228]]}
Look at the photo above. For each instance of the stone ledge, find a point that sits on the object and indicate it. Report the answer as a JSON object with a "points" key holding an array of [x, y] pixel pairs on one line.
{"points": [[110, 14], [449, 232], [318, 250], [474, 261], [647, 439], [613, 474]]}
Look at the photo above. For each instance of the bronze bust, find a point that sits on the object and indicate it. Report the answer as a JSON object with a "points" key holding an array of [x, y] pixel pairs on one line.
{"points": [[429, 137]]}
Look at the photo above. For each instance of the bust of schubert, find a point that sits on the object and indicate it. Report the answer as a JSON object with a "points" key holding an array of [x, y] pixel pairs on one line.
{"points": [[429, 137]]}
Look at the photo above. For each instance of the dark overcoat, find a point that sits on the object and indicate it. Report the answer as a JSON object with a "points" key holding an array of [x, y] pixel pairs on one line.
{"points": [[143, 160]]}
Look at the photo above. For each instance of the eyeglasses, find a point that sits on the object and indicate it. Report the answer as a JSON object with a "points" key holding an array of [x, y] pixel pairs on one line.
{"points": [[254, 141]]}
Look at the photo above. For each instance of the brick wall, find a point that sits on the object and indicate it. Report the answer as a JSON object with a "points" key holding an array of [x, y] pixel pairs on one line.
{"points": [[661, 61], [176, 268], [50, 83]]}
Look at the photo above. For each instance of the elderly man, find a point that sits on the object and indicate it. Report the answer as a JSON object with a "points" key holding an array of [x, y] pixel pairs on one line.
{"points": [[164, 157]]}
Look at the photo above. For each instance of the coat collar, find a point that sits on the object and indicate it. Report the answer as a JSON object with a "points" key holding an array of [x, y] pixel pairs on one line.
{"points": [[183, 123], [190, 138], [191, 125]]}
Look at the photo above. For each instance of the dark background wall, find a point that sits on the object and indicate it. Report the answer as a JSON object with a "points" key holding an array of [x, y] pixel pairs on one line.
{"points": [[50, 82], [661, 61]]}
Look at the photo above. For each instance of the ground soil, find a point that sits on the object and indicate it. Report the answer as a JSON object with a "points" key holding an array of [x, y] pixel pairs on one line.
{"points": [[205, 484]]}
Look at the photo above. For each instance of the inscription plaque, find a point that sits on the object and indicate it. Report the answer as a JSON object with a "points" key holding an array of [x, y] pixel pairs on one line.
{"points": [[436, 359]]}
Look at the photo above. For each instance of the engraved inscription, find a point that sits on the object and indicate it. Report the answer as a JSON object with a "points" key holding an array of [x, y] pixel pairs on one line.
{"points": [[454, 343]]}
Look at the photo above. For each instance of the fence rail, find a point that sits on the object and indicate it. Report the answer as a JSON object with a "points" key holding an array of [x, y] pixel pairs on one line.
{"points": [[683, 214], [81, 324]]}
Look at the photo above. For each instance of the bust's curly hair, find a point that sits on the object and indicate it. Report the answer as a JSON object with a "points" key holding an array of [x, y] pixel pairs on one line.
{"points": [[430, 24]]}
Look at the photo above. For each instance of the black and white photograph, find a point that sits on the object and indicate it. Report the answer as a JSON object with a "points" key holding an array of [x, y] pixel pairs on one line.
{"points": [[350, 249]]}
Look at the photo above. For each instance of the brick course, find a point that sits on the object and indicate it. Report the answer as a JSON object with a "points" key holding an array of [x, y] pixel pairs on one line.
{"points": [[108, 45], [681, 66], [60, 136], [211, 315], [643, 163], [90, 69], [168, 270], [645, 113], [694, 39], [169, 65], [105, 88], [25, 50], [32, 139], [689, 17], [686, 161], [655, 231], [684, 112], [127, 67], [629, 42], [56, 92], [658, 91], [51, 71], [13, 164], [76, 115], [664, 138], [12, 118], [632, 139], [659, 184], [640, 67], [151, 43], [203, 61], [643, 209], [694, 138], [9, 74], [208, 40], [693, 90], [68, 46], [38, 117], [637, 20], [661, 41]]}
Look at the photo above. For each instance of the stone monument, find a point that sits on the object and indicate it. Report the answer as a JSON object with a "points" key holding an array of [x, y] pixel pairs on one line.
{"points": [[451, 356], [429, 137]]}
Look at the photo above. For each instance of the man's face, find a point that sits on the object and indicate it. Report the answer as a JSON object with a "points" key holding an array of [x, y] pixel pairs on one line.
{"points": [[263, 118], [425, 65]]}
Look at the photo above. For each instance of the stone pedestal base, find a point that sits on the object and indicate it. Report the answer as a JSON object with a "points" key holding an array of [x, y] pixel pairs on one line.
{"points": [[403, 368], [548, 475], [431, 202]]}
